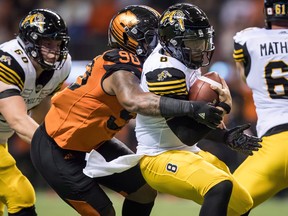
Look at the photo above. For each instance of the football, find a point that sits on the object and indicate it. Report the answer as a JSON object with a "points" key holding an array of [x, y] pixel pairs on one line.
{"points": [[201, 91]]}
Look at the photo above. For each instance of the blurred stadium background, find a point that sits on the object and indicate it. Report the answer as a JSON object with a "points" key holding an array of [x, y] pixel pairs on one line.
{"points": [[87, 21]]}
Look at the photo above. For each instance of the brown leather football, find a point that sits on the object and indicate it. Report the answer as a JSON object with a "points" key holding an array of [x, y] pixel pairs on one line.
{"points": [[201, 91]]}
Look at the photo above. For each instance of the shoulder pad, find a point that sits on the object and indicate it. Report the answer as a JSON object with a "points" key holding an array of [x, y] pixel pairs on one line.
{"points": [[167, 81], [243, 35]]}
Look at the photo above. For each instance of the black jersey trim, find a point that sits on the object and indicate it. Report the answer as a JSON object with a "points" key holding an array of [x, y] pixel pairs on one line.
{"points": [[277, 129], [9, 92], [241, 54]]}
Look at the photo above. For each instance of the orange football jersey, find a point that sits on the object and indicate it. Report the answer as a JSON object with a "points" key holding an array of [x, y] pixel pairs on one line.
{"points": [[83, 116]]}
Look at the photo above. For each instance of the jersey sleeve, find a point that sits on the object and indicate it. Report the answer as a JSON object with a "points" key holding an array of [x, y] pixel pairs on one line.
{"points": [[117, 59], [11, 72], [169, 82], [241, 54]]}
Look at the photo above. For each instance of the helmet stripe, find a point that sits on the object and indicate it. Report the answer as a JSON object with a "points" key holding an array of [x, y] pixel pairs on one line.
{"points": [[119, 30]]}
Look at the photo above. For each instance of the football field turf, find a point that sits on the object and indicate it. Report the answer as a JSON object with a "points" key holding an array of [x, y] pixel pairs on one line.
{"points": [[49, 204]]}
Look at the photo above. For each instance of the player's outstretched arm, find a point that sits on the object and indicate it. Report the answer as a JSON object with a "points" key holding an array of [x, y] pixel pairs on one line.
{"points": [[13, 109], [126, 86]]}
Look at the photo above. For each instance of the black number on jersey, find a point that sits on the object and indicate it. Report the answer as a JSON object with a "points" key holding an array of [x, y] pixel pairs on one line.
{"points": [[111, 124], [171, 167], [163, 59], [20, 52], [277, 84]]}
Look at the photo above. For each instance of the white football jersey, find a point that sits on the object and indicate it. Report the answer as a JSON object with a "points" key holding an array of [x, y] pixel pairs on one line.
{"points": [[162, 75], [17, 70], [264, 53]]}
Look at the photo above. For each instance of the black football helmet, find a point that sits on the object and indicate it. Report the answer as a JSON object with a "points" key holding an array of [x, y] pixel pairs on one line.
{"points": [[134, 28], [186, 34], [275, 10], [42, 24]]}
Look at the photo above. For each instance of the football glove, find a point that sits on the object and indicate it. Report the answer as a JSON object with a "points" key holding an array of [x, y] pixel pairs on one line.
{"points": [[237, 140], [206, 113]]}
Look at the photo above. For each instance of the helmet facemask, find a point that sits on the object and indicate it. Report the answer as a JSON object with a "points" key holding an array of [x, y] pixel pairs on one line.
{"points": [[194, 49], [34, 50], [146, 44]]}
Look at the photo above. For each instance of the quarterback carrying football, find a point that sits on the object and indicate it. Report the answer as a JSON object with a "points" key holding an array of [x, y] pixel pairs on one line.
{"points": [[172, 162]]}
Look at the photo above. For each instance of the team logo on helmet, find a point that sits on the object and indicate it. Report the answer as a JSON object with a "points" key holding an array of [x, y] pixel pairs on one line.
{"points": [[128, 20], [171, 17], [34, 20]]}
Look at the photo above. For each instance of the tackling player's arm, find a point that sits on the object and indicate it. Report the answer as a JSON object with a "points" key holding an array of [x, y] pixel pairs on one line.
{"points": [[126, 86], [124, 82], [13, 109]]}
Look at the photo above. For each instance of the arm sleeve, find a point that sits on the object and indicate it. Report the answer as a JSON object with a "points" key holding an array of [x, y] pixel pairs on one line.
{"points": [[187, 129]]}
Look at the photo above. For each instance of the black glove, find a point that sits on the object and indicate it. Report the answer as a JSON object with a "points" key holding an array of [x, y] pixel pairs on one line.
{"points": [[207, 114], [241, 142]]}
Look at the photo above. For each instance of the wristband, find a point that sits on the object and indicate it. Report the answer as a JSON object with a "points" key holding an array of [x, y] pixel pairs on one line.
{"points": [[224, 106], [170, 107]]}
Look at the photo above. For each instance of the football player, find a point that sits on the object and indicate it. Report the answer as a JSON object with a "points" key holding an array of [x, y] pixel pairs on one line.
{"points": [[174, 164], [261, 57], [87, 114], [33, 67]]}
